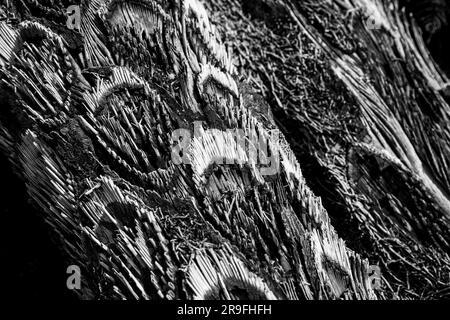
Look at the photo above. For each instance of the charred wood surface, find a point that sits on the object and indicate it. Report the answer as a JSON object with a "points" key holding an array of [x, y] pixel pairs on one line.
{"points": [[89, 121]]}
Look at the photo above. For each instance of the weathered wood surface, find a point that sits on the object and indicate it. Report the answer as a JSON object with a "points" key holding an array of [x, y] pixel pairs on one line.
{"points": [[87, 120]]}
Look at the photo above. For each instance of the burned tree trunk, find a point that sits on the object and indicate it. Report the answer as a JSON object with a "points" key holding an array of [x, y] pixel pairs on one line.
{"points": [[268, 149]]}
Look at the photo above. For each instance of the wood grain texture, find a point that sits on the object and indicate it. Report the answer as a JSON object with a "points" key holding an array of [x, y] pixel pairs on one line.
{"points": [[363, 143]]}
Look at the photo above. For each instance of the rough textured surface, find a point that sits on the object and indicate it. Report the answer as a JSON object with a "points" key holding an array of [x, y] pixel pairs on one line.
{"points": [[88, 120]]}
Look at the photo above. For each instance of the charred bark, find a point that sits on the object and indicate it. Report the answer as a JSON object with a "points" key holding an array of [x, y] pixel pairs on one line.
{"points": [[91, 122]]}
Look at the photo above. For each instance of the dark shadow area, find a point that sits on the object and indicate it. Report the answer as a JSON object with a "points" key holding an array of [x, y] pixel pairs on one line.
{"points": [[33, 266], [439, 46]]}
